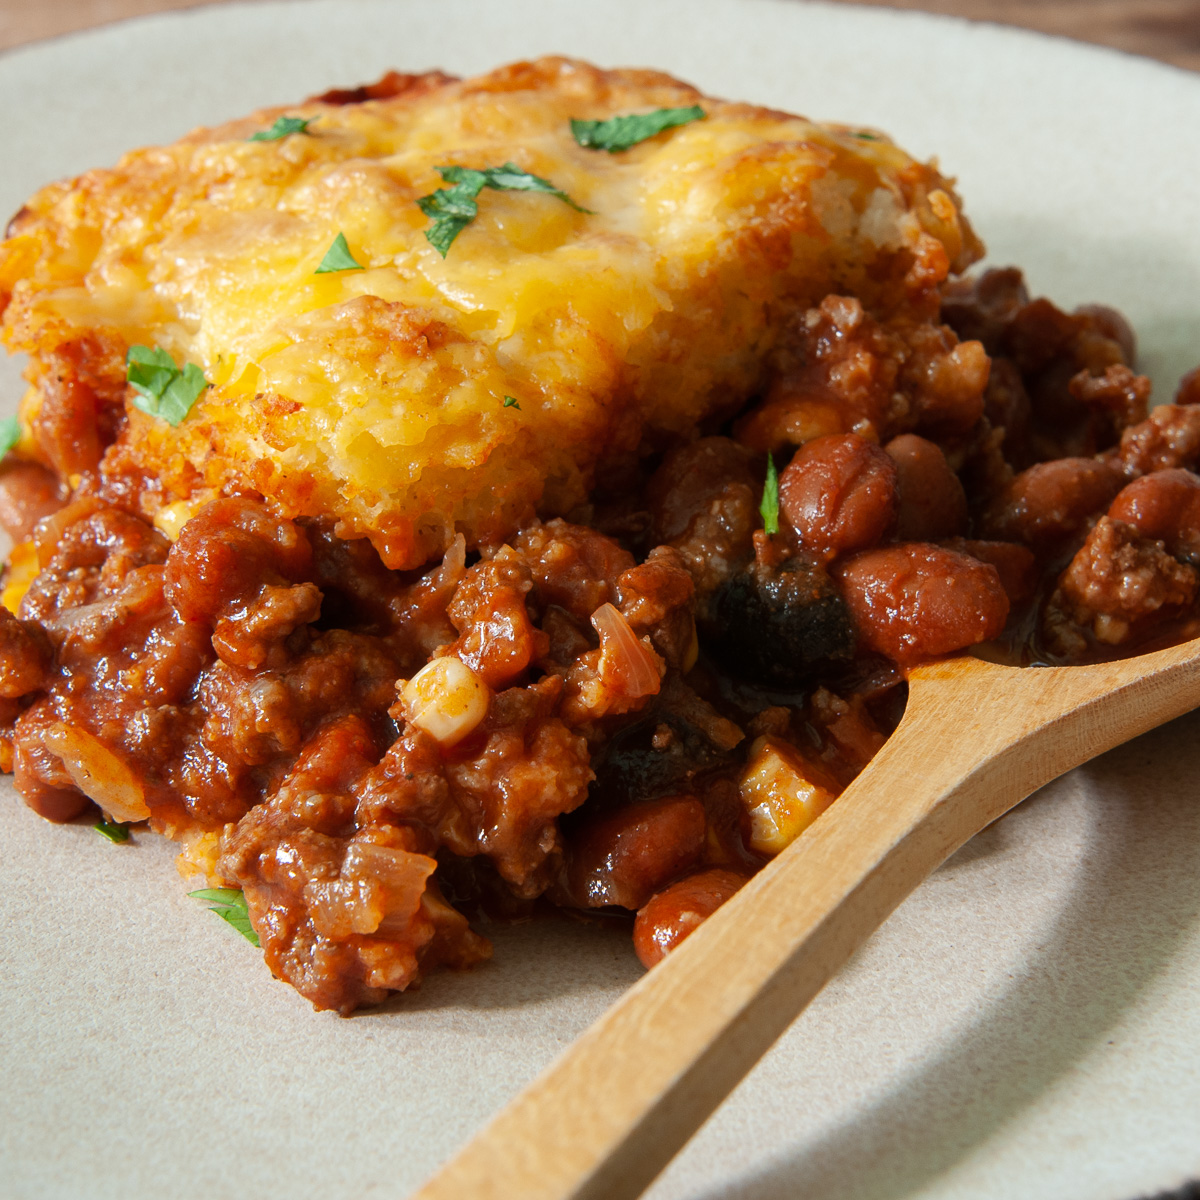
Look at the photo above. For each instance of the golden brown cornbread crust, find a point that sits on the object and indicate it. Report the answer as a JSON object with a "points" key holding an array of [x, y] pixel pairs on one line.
{"points": [[378, 395]]}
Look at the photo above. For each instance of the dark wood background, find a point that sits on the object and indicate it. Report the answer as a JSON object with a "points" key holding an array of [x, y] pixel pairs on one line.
{"points": [[1165, 29]]}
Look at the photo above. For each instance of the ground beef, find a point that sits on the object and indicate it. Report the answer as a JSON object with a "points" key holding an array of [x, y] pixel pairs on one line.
{"points": [[1116, 585], [614, 712]]}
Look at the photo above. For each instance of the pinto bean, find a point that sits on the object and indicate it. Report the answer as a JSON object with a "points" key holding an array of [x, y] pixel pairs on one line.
{"points": [[676, 911], [704, 501], [932, 501], [1052, 501], [1164, 506], [917, 601], [28, 492], [1108, 323], [839, 494], [622, 858], [690, 478], [1188, 391], [52, 803], [25, 656], [1014, 563], [39, 775]]}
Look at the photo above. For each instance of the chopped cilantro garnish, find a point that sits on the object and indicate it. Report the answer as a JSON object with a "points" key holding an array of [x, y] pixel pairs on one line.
{"points": [[115, 831], [867, 137], [10, 434], [163, 389], [338, 258], [769, 508], [230, 905], [452, 209], [511, 402], [282, 127], [619, 133]]}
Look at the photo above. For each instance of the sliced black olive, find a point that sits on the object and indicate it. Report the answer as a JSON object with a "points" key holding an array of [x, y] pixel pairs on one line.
{"points": [[777, 625], [631, 767]]}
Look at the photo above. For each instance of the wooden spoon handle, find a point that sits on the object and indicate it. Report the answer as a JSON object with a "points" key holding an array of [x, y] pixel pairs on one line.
{"points": [[607, 1116]]}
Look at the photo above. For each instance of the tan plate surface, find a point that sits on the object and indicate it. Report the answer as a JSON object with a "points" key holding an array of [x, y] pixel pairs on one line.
{"points": [[1025, 1025]]}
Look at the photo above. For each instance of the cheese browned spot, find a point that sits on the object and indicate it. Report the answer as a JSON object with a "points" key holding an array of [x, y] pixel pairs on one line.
{"points": [[378, 396]]}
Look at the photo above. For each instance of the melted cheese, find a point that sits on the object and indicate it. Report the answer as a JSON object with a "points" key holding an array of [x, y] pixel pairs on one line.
{"points": [[377, 396]]}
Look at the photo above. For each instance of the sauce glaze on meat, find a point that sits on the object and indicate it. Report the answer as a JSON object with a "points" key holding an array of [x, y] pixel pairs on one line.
{"points": [[670, 695], [616, 693]]}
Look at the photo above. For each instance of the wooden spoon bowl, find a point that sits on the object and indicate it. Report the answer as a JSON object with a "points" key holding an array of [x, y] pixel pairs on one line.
{"points": [[977, 738]]}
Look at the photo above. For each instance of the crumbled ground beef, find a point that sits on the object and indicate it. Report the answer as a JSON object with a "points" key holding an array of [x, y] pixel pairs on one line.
{"points": [[613, 712]]}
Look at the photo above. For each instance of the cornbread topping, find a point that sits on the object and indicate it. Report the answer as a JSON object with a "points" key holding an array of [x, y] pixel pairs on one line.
{"points": [[444, 498]]}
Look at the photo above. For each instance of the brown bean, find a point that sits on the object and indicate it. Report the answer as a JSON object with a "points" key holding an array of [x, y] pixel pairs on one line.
{"points": [[933, 504], [1164, 506], [1188, 391], [690, 478], [25, 656], [622, 858], [54, 801], [675, 912], [1014, 563], [839, 494], [28, 492], [1051, 501], [917, 601], [1109, 323]]}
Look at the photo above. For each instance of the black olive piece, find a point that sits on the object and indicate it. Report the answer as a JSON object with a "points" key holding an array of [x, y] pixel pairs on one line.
{"points": [[630, 768], [776, 625]]}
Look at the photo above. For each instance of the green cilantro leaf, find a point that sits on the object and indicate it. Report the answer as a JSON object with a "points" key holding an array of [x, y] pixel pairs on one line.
{"points": [[510, 178], [230, 905], [338, 258], [452, 209], [619, 133], [163, 389], [282, 127], [10, 434], [511, 402], [769, 508], [867, 137], [115, 831]]}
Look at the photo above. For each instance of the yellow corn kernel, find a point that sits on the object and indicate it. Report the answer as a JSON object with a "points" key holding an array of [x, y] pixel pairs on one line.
{"points": [[446, 699], [171, 518], [22, 571], [782, 793]]}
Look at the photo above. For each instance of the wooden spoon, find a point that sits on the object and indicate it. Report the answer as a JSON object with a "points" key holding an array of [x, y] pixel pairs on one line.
{"points": [[605, 1118]]}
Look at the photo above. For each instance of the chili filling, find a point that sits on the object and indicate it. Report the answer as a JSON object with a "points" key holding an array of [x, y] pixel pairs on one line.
{"points": [[630, 710]]}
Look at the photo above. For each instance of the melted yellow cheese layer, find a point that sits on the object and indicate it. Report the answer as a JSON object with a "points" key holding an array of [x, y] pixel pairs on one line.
{"points": [[377, 396]]}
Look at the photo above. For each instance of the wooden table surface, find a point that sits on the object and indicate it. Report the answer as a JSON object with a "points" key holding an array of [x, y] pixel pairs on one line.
{"points": [[1165, 29]]}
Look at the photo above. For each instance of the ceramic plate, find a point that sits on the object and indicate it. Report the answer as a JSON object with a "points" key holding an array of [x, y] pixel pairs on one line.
{"points": [[1026, 1025]]}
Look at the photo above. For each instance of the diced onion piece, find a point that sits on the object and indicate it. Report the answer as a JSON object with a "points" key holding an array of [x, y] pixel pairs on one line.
{"points": [[624, 656], [97, 772], [446, 699], [782, 793], [400, 873], [378, 891], [23, 569]]}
